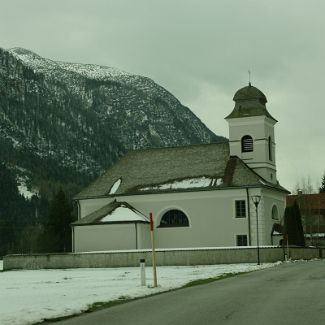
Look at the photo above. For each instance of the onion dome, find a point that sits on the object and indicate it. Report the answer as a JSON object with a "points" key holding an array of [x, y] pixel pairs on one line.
{"points": [[249, 101], [250, 93]]}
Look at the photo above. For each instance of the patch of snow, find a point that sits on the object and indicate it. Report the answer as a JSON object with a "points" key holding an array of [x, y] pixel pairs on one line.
{"points": [[93, 71], [179, 249], [319, 235], [15, 143], [47, 66], [23, 190], [115, 186], [124, 214], [34, 61], [182, 184], [31, 296], [219, 182]]}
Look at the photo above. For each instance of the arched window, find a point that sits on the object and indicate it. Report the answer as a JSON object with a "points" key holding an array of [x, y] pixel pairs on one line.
{"points": [[270, 148], [275, 215], [174, 218], [246, 143]]}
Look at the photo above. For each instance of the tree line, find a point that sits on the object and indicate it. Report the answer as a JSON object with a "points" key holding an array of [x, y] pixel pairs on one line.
{"points": [[38, 225], [293, 228]]}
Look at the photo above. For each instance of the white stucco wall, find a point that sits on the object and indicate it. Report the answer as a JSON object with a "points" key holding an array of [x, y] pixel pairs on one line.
{"points": [[278, 199], [259, 128], [104, 237], [111, 237], [265, 221], [211, 216], [144, 239]]}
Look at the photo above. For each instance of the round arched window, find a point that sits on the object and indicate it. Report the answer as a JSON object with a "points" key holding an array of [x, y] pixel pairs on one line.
{"points": [[275, 215], [174, 218], [246, 143]]}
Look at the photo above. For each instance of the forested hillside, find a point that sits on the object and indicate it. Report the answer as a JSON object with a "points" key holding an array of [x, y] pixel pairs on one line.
{"points": [[62, 124]]}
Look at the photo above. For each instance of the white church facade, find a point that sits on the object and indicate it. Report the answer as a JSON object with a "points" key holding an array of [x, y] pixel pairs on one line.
{"points": [[199, 195]]}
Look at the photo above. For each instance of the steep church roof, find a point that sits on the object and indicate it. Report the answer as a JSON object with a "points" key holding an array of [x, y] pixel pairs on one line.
{"points": [[249, 101], [175, 169]]}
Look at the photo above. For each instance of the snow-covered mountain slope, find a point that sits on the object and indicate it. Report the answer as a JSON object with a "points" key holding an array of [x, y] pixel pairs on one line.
{"points": [[70, 121]]}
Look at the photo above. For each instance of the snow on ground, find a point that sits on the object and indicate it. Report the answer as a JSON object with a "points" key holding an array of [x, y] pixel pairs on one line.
{"points": [[30, 296]]}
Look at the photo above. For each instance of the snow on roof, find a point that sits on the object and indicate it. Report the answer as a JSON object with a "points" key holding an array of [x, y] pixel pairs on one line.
{"points": [[319, 235], [115, 186], [185, 183], [147, 170], [123, 213]]}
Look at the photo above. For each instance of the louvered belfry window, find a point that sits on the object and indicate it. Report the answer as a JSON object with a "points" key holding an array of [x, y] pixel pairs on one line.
{"points": [[247, 143]]}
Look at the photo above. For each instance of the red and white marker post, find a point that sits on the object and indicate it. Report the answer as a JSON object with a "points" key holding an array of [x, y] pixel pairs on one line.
{"points": [[153, 252]]}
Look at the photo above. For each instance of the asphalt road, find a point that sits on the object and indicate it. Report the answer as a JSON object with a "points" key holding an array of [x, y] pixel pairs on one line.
{"points": [[292, 293]]}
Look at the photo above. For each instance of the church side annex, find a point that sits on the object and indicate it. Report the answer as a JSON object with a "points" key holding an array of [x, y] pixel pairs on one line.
{"points": [[200, 195]]}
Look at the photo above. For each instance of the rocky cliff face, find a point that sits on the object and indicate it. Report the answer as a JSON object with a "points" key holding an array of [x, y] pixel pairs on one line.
{"points": [[68, 122]]}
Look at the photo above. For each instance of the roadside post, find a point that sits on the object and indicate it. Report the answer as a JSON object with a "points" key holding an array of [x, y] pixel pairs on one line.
{"points": [[153, 252], [256, 200], [288, 253], [143, 271]]}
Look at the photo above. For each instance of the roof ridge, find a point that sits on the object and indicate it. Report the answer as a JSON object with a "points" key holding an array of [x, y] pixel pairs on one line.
{"points": [[177, 147], [261, 178], [230, 169]]}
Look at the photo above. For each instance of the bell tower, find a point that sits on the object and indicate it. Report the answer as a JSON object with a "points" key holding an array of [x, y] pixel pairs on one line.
{"points": [[251, 132]]}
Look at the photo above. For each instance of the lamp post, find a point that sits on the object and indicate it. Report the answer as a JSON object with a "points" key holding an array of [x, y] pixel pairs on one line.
{"points": [[256, 200]]}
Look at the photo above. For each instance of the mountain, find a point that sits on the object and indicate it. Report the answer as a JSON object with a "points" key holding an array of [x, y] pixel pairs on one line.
{"points": [[64, 123]]}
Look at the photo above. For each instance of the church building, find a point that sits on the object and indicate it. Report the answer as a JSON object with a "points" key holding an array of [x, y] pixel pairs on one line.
{"points": [[207, 195]]}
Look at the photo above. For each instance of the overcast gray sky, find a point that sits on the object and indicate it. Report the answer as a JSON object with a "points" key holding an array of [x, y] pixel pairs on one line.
{"points": [[200, 51]]}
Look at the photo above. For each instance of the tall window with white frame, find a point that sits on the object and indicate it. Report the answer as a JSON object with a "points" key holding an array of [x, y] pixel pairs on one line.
{"points": [[240, 209]]}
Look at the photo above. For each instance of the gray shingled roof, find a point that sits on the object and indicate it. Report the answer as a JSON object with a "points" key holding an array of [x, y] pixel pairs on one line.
{"points": [[141, 171]]}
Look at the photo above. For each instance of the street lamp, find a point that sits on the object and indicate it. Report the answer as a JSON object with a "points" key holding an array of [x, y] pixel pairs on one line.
{"points": [[256, 200]]}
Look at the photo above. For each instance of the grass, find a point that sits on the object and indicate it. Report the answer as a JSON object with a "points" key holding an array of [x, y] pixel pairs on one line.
{"points": [[106, 304], [208, 280]]}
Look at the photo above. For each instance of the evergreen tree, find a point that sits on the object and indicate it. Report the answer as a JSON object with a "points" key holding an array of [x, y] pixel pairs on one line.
{"points": [[15, 212], [322, 188], [57, 235], [293, 225], [9, 194]]}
